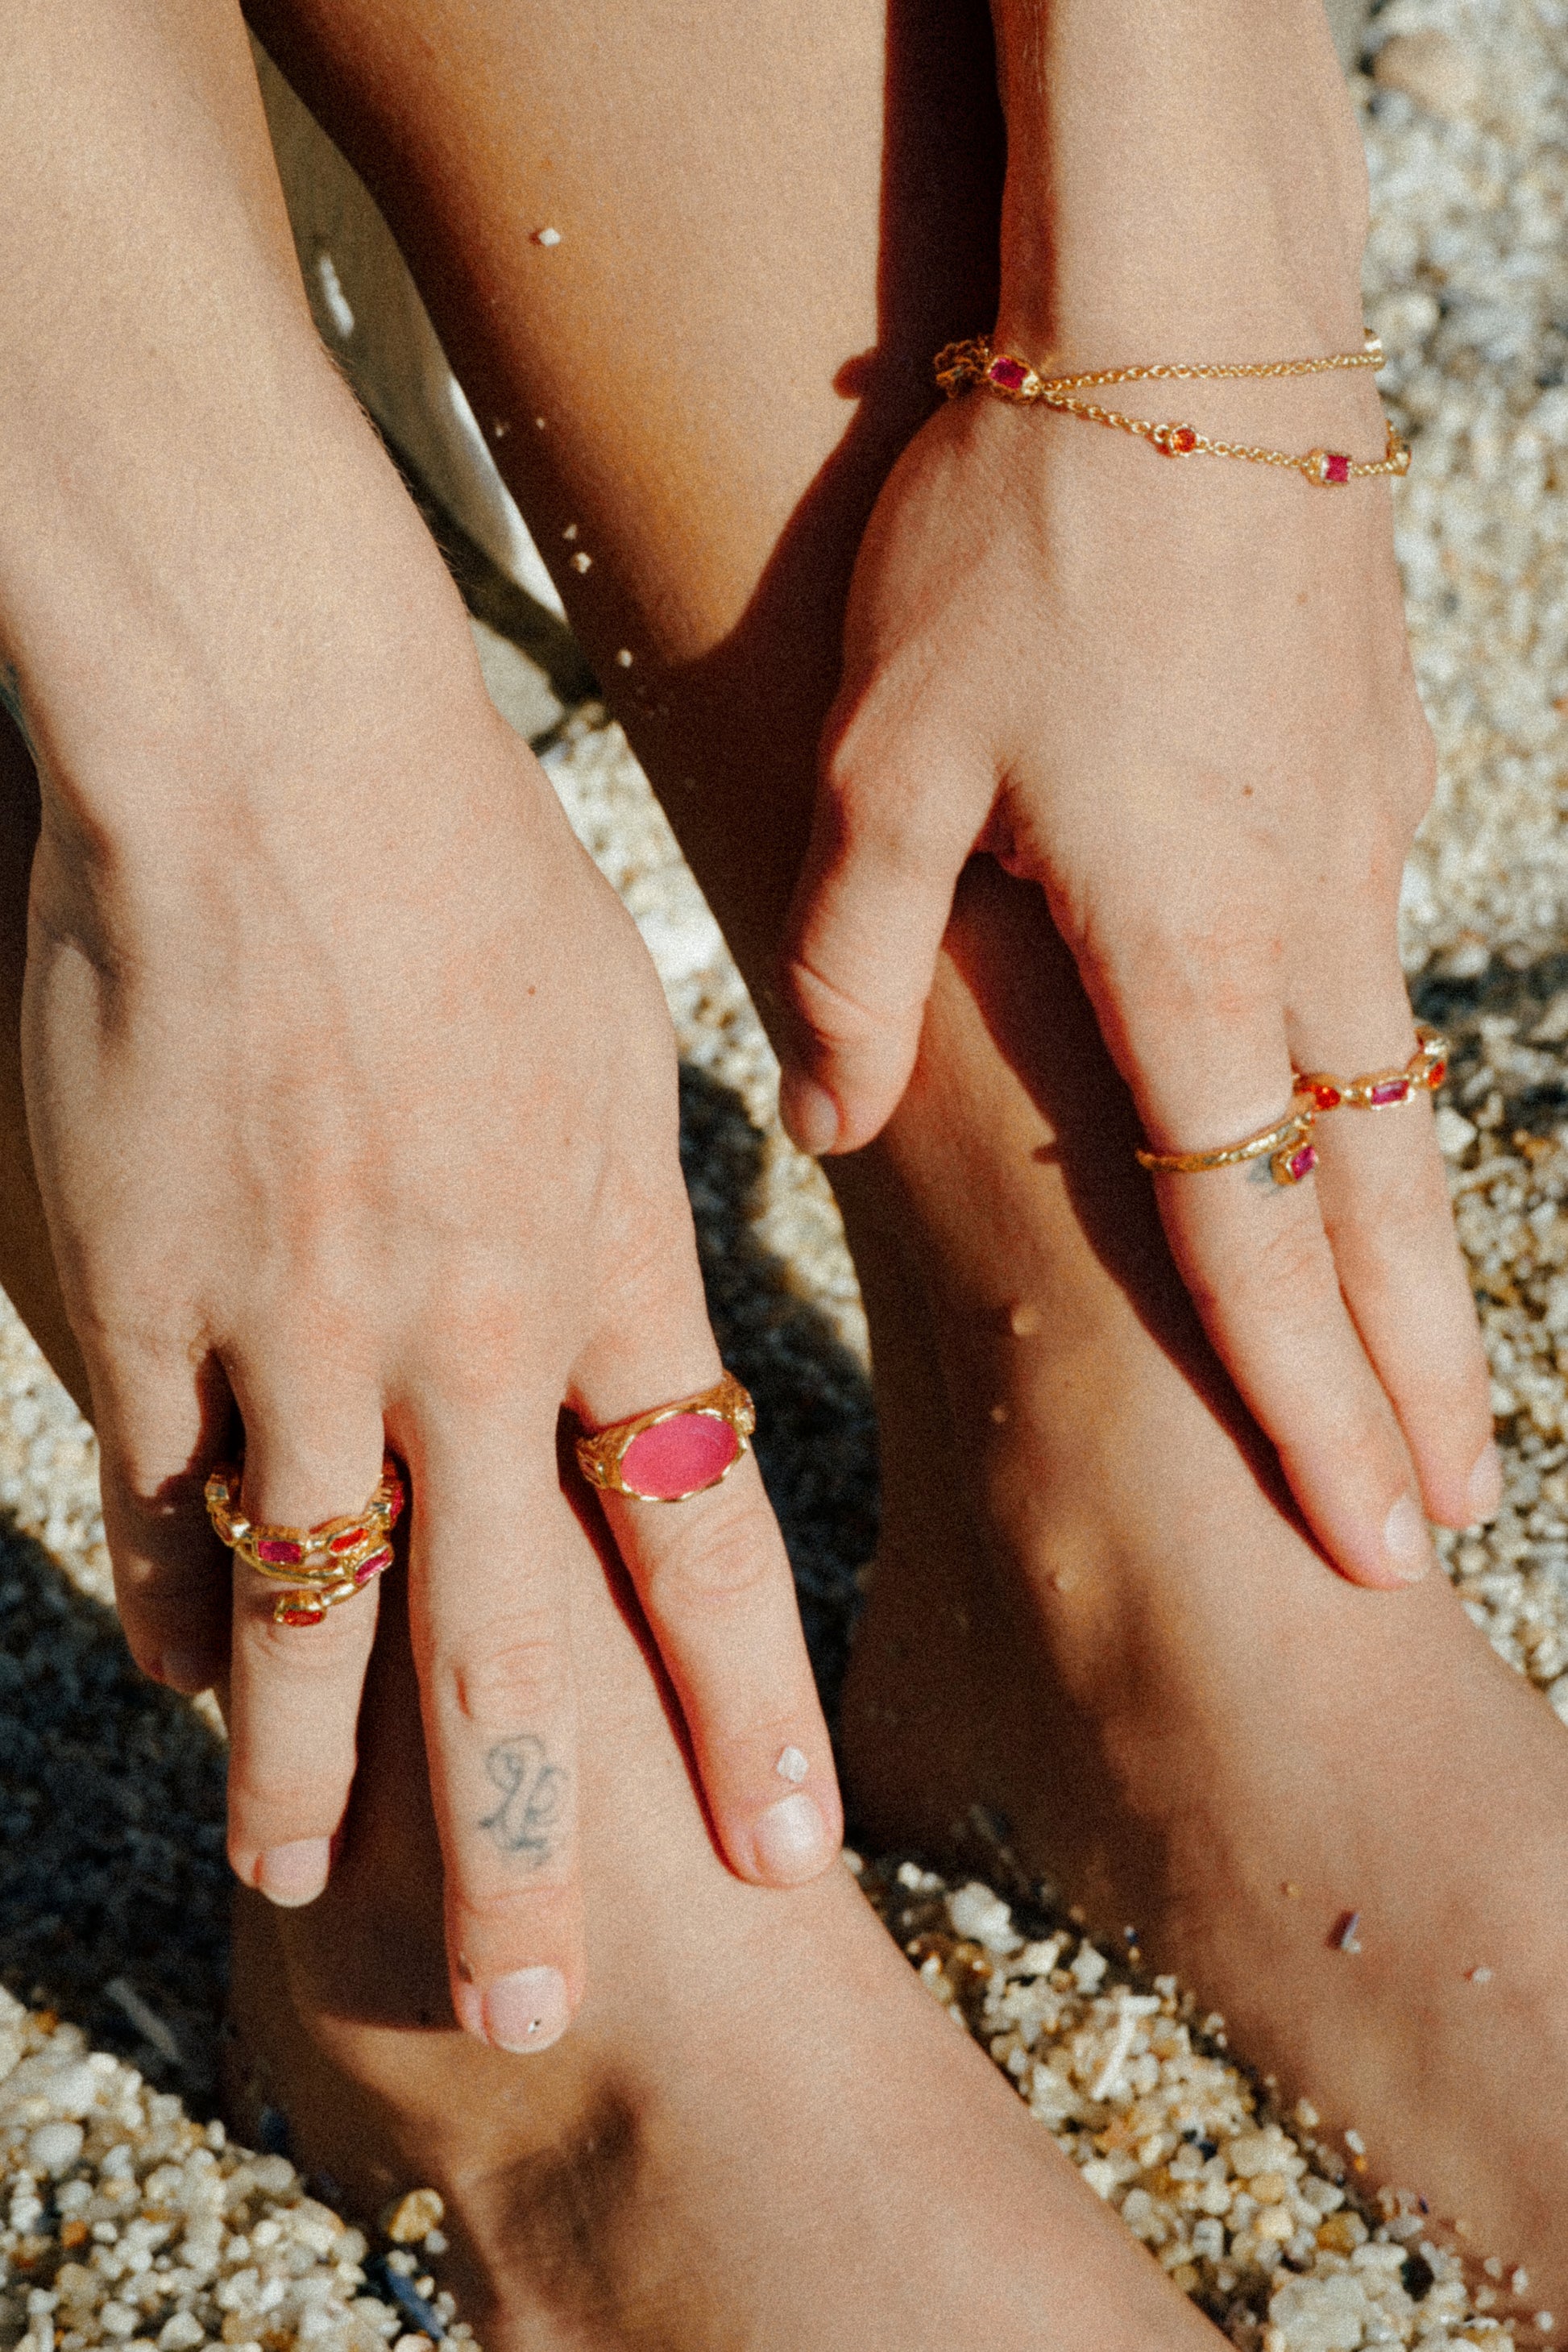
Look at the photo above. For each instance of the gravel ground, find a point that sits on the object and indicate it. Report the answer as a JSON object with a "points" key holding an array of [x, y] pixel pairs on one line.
{"points": [[129, 2218]]}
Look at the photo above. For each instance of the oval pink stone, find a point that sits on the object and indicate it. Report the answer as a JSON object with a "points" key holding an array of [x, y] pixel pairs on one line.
{"points": [[281, 1554], [1392, 1090], [676, 1456]]}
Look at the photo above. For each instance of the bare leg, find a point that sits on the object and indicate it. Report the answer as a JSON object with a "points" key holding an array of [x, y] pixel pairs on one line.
{"points": [[744, 211]]}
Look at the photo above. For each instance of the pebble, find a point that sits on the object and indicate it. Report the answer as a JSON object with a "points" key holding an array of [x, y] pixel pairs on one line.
{"points": [[421, 2211]]}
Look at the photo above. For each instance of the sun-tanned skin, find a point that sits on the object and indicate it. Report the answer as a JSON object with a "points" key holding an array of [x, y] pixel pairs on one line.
{"points": [[723, 504]]}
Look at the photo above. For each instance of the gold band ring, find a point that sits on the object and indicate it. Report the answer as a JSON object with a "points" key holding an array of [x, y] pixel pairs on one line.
{"points": [[674, 1450], [1424, 1073], [324, 1565], [1286, 1146]]}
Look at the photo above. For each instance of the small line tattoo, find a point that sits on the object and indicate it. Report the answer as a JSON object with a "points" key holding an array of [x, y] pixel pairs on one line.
{"points": [[533, 1793]]}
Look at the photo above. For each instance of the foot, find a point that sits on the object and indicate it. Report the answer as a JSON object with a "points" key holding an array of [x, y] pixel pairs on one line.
{"points": [[1095, 1613], [761, 2131]]}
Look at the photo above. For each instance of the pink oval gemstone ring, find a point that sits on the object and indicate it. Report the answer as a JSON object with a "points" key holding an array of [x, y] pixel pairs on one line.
{"points": [[675, 1451]]}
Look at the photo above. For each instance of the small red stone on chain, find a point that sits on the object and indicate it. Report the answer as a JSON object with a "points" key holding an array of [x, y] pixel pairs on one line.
{"points": [[1180, 440], [1389, 1090], [1008, 375], [1301, 1163], [1326, 1096], [1336, 467]]}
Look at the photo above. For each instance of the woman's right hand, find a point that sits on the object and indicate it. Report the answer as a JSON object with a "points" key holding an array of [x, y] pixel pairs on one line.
{"points": [[354, 1102]]}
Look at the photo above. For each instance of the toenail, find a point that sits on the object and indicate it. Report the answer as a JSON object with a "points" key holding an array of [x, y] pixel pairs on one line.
{"points": [[1406, 1539], [526, 2011], [295, 1872], [1485, 1491], [792, 1840]]}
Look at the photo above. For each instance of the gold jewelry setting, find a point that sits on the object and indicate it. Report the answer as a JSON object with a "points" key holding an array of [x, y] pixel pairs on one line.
{"points": [[1286, 1146], [675, 1451], [1424, 1073], [963, 364], [325, 1565]]}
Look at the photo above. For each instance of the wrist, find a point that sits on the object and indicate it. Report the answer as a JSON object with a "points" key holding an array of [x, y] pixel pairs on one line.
{"points": [[1195, 190]]}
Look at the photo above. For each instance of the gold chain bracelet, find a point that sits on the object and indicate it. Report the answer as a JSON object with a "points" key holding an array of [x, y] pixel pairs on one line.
{"points": [[959, 365]]}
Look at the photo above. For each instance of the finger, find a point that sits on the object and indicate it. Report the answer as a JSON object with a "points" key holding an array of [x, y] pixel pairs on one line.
{"points": [[888, 840], [294, 1693], [489, 1552], [1256, 1259], [1384, 1201], [158, 1429], [715, 1585]]}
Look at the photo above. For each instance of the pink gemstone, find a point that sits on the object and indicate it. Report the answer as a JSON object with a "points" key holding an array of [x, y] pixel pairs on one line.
{"points": [[676, 1458], [1301, 1163], [372, 1566], [281, 1554], [1336, 467], [1390, 1090], [303, 1614], [1008, 375], [349, 1538]]}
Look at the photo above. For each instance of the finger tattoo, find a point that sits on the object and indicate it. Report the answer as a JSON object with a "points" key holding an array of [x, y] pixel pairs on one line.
{"points": [[533, 1796]]}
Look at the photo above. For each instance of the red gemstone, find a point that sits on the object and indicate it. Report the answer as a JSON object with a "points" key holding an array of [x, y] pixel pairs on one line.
{"points": [[1301, 1163], [679, 1456], [395, 1500], [303, 1614], [1436, 1075], [1389, 1090], [348, 1539], [1336, 467], [372, 1566], [1008, 375], [280, 1552], [1181, 440], [1326, 1097]]}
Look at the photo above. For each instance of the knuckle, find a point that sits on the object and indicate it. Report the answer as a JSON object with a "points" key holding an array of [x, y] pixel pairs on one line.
{"points": [[522, 1679], [723, 1557]]}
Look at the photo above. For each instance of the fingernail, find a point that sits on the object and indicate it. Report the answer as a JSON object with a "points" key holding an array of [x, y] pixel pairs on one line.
{"points": [[1485, 1491], [809, 1113], [791, 1840], [187, 1670], [1406, 1539], [294, 1874], [526, 2011]]}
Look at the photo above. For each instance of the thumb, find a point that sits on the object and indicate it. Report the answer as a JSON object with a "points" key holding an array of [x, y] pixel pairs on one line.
{"points": [[861, 942]]}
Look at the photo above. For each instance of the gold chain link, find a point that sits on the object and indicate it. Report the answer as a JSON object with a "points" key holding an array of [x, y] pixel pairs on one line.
{"points": [[961, 364]]}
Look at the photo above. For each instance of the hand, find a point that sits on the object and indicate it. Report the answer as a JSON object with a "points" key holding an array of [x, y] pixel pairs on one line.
{"points": [[1177, 695], [353, 1100]]}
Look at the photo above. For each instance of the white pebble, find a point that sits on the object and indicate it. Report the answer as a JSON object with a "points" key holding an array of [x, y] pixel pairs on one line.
{"points": [[55, 2148]]}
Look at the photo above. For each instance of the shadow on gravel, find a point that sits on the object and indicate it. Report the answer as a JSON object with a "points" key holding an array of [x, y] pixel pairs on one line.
{"points": [[113, 1886]]}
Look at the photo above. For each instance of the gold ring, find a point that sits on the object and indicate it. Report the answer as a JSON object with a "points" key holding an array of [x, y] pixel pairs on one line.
{"points": [[1381, 1089], [1286, 1146], [674, 1450], [325, 1564]]}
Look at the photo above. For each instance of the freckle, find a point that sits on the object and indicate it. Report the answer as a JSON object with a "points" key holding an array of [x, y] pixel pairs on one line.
{"points": [[1289, 1887], [582, 561], [547, 237], [1024, 1319], [569, 531], [1062, 1579], [999, 1414], [622, 659]]}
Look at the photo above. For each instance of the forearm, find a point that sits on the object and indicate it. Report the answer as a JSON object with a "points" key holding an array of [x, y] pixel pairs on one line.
{"points": [[1183, 182], [200, 539]]}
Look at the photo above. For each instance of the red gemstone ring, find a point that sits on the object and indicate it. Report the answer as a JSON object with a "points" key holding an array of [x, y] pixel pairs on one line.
{"points": [[1424, 1073], [324, 1565], [675, 1451]]}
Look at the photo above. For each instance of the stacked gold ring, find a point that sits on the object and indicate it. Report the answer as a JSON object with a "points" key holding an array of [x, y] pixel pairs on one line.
{"points": [[1287, 1145], [324, 1565], [1424, 1073]]}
